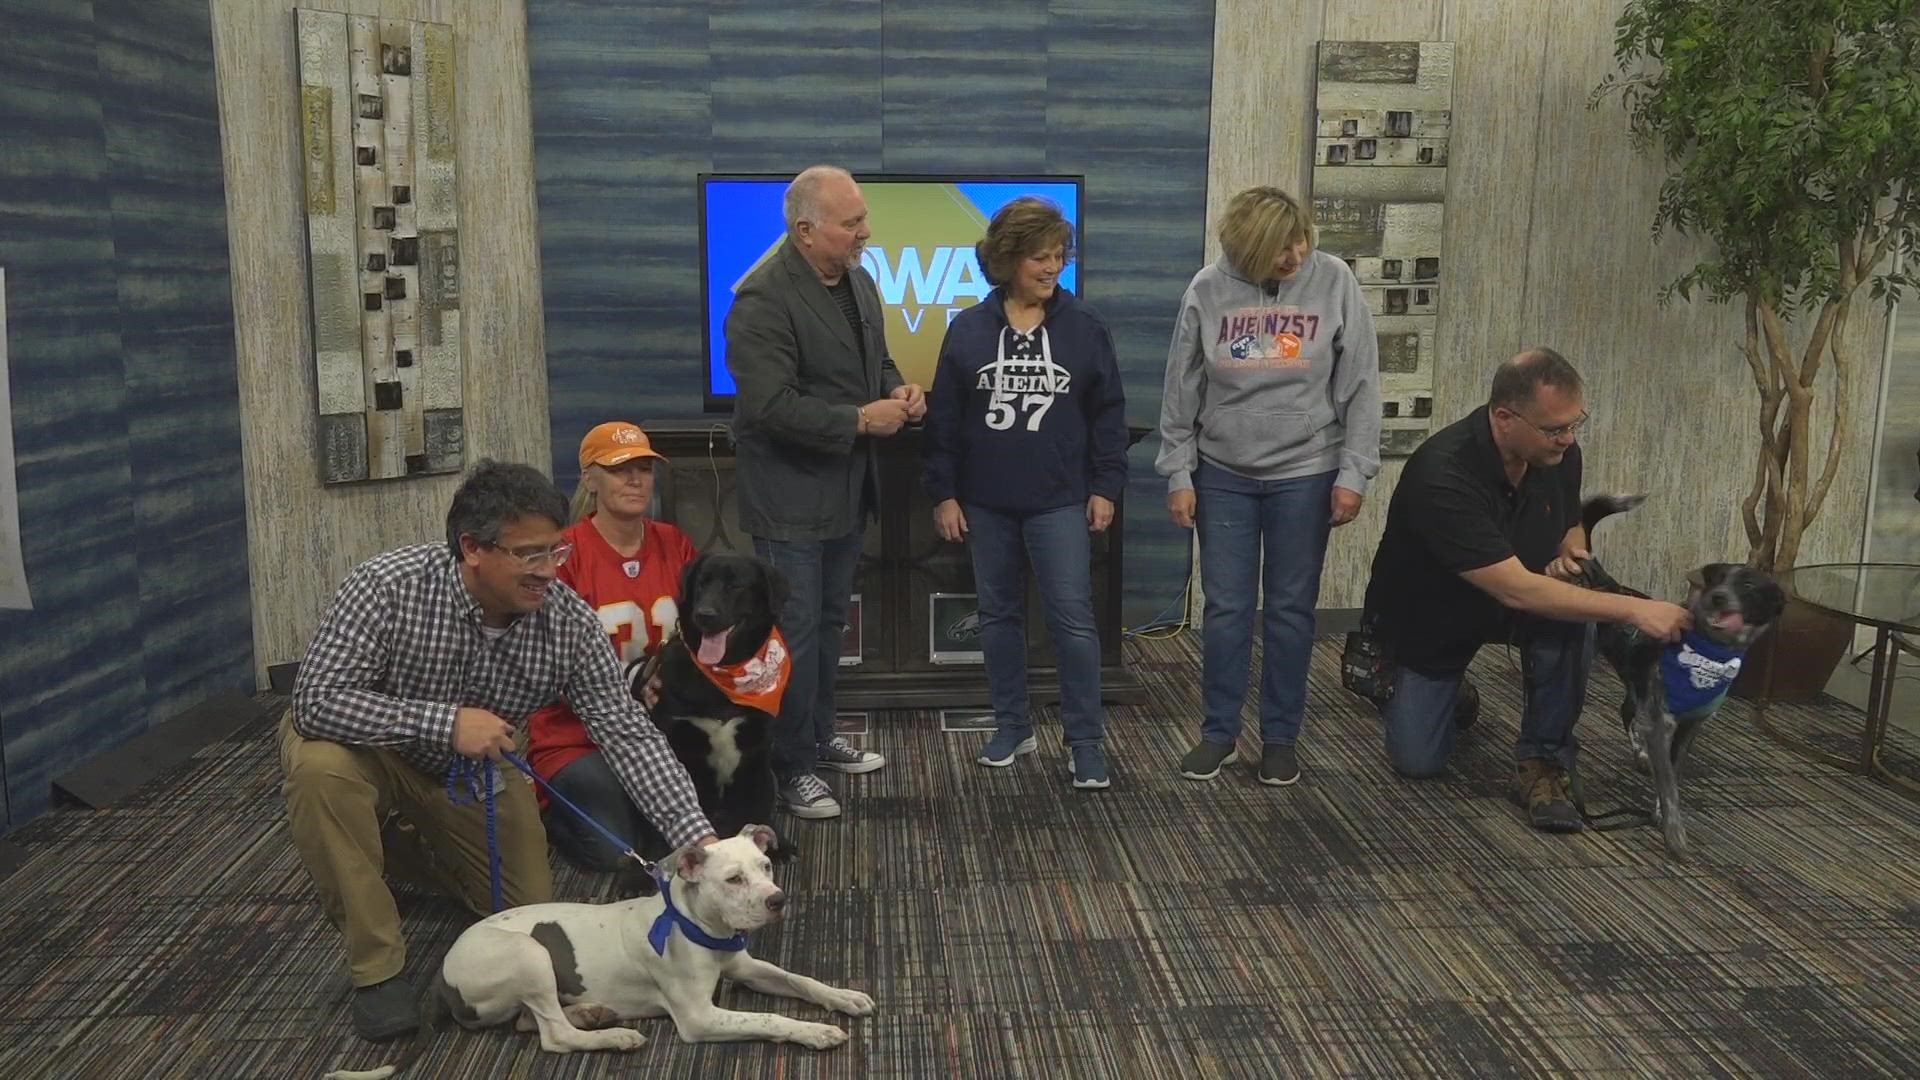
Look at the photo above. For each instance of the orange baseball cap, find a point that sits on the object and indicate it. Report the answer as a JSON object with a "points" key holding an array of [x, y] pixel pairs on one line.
{"points": [[614, 442]]}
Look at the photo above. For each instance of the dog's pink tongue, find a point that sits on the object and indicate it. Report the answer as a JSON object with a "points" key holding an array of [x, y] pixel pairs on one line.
{"points": [[714, 646]]}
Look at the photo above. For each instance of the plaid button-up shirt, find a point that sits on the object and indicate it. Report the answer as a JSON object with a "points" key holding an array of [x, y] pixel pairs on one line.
{"points": [[401, 650]]}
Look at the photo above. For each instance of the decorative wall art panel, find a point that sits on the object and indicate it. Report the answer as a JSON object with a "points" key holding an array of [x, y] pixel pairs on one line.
{"points": [[377, 121], [1384, 113]]}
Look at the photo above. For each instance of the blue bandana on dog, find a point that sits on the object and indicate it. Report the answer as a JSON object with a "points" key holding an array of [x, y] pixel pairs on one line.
{"points": [[1696, 673]]}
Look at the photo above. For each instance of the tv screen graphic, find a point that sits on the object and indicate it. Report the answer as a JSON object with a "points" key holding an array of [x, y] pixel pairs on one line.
{"points": [[920, 255]]}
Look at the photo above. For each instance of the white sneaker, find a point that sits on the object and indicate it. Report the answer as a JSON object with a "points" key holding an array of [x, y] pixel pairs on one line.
{"points": [[842, 756], [807, 796]]}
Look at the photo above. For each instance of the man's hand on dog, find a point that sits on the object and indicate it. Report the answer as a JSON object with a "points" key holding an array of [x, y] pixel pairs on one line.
{"points": [[478, 733], [950, 521], [1346, 505], [1566, 566], [1659, 619]]}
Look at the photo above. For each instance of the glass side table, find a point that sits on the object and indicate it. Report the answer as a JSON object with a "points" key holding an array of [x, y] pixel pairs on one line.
{"points": [[1885, 596]]}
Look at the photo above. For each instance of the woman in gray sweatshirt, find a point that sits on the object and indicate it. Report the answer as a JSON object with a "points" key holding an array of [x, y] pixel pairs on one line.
{"points": [[1269, 432]]}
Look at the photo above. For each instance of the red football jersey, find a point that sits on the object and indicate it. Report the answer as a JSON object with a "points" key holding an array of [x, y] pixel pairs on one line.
{"points": [[636, 601]]}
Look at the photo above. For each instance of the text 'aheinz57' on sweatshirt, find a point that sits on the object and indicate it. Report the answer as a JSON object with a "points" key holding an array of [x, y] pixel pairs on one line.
{"points": [[1273, 380], [1022, 423]]}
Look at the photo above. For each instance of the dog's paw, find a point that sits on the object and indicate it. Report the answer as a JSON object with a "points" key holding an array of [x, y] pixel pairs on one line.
{"points": [[851, 1002], [1675, 834], [818, 1036], [621, 1039]]}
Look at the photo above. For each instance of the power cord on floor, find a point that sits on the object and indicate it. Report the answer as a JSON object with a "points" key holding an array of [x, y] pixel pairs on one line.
{"points": [[1158, 628]]}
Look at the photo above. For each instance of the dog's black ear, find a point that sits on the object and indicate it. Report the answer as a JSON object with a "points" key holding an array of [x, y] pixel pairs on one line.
{"points": [[777, 588], [1702, 578], [687, 577], [1773, 602], [1763, 597]]}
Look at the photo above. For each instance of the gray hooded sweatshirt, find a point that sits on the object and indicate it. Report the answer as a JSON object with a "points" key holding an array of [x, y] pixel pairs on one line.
{"points": [[1273, 380]]}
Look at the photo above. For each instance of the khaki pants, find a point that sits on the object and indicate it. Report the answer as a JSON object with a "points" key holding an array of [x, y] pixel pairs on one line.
{"points": [[337, 799]]}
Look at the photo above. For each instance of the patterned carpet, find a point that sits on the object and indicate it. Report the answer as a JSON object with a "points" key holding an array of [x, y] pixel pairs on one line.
{"points": [[1354, 924]]}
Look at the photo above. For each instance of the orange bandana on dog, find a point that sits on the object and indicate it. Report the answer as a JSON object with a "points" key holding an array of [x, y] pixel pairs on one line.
{"points": [[756, 682]]}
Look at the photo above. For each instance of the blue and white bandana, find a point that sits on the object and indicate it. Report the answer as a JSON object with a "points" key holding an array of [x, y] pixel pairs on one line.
{"points": [[1696, 673]]}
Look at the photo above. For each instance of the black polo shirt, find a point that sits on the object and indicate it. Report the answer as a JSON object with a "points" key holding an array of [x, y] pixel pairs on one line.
{"points": [[1453, 511]]}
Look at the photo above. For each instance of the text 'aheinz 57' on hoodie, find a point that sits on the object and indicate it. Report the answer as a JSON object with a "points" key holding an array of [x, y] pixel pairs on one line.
{"points": [[1022, 425], [1273, 380]]}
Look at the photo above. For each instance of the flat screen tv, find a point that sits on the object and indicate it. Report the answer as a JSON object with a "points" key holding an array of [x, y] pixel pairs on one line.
{"points": [[920, 255]]}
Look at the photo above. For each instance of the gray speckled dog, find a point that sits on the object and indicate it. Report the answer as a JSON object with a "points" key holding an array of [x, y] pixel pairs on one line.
{"points": [[1673, 688]]}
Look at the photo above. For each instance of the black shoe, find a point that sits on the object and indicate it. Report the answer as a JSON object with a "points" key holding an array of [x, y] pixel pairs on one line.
{"points": [[1466, 705], [384, 1010], [1278, 767], [1204, 760]]}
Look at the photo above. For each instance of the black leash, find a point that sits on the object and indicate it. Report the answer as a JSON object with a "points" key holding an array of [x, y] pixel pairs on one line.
{"points": [[1629, 817]]}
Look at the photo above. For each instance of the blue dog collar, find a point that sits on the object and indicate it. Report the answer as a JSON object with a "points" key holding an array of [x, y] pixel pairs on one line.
{"points": [[671, 916]]}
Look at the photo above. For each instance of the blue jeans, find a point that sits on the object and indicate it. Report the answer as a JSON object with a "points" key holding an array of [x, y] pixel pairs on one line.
{"points": [[589, 783], [1241, 520], [820, 577], [1057, 543], [1555, 658]]}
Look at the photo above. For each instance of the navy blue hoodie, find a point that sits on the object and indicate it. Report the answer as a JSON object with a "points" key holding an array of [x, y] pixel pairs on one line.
{"points": [[1025, 432]]}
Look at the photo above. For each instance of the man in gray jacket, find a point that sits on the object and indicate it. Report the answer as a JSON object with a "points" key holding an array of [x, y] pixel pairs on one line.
{"points": [[815, 386]]}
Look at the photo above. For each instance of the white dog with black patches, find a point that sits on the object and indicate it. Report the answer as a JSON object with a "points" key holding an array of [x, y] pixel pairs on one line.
{"points": [[576, 972]]}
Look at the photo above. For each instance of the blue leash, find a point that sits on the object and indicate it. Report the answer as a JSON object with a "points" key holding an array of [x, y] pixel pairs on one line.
{"points": [[470, 773]]}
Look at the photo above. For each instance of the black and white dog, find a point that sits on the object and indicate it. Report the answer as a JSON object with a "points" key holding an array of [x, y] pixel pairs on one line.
{"points": [[720, 682], [1673, 688], [583, 975]]}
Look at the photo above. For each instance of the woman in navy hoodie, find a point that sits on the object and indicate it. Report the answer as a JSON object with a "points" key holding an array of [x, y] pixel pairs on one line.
{"points": [[1025, 456]]}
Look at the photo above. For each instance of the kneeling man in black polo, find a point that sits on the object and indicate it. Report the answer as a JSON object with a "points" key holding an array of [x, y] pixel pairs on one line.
{"points": [[1482, 532]]}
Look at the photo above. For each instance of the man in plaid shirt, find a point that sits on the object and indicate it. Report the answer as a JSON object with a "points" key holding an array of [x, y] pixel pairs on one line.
{"points": [[430, 653]]}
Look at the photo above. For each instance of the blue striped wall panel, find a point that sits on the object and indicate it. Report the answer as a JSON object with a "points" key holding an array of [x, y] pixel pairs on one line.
{"points": [[177, 348], [1116, 90], [1129, 83], [125, 407], [70, 670], [622, 119], [964, 86], [795, 84]]}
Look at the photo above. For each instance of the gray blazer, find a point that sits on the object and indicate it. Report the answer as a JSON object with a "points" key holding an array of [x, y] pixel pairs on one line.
{"points": [[800, 381]]}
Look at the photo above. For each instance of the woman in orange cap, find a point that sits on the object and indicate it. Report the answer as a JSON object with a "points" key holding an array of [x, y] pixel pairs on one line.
{"points": [[627, 566]]}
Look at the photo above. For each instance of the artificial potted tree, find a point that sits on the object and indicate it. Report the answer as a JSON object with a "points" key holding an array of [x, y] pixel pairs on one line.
{"points": [[1790, 131]]}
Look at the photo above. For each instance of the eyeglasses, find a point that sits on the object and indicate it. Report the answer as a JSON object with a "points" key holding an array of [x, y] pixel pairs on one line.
{"points": [[538, 559], [1563, 430]]}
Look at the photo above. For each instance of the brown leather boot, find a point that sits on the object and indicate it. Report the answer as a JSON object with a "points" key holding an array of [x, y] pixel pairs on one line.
{"points": [[1542, 789]]}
